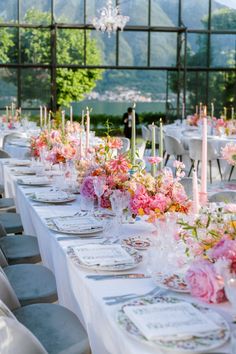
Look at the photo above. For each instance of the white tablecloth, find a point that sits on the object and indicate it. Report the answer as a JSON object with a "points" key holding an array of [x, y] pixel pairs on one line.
{"points": [[80, 294]]}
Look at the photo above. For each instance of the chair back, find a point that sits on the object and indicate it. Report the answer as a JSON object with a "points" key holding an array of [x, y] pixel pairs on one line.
{"points": [[173, 146], [146, 134], [14, 337], [141, 149], [7, 294], [195, 150], [12, 137], [157, 133], [187, 183], [125, 146], [3, 260], [4, 154], [224, 196]]}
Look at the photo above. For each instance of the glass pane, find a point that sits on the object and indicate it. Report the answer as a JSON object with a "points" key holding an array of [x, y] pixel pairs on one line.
{"points": [[70, 46], [35, 87], [196, 89], [101, 50], [35, 12], [164, 13], [69, 11], [217, 90], [223, 50], [137, 10], [35, 46], [8, 86], [163, 49], [93, 7], [8, 13], [197, 49], [223, 16], [120, 88], [8, 45], [195, 13], [133, 48]]}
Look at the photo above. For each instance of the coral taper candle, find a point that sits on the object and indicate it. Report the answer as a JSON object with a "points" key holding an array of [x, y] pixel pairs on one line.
{"points": [[87, 130], [153, 165], [133, 136], [161, 143], [81, 144], [204, 156], [195, 206]]}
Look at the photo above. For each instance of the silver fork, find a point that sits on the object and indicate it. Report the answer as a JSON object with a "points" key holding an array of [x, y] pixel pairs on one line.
{"points": [[122, 298]]}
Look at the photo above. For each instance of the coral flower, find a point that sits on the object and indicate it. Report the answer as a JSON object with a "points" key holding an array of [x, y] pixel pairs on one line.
{"points": [[119, 165]]}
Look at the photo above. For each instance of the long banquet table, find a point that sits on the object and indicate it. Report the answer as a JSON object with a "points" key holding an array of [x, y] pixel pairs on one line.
{"points": [[82, 295]]}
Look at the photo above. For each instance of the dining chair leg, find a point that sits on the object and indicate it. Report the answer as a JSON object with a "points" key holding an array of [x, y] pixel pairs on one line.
{"points": [[210, 172], [167, 158], [180, 158], [218, 163], [231, 172], [192, 165], [198, 163]]}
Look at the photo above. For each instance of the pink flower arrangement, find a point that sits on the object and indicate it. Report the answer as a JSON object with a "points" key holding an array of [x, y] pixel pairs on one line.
{"points": [[153, 160], [192, 120], [229, 153], [204, 283]]}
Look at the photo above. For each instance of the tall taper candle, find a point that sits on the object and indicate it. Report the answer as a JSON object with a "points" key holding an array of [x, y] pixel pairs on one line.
{"points": [[200, 109], [183, 110], [161, 143], [225, 112], [204, 111], [87, 130], [82, 121], [204, 156], [45, 116], [195, 206], [7, 113], [12, 110], [133, 136], [212, 109], [153, 166], [41, 116], [71, 114], [196, 109], [81, 144], [63, 122], [49, 122], [232, 112]]}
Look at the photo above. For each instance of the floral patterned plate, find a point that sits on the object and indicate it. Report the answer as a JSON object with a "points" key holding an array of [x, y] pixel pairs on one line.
{"points": [[138, 242], [173, 282], [137, 258], [192, 344]]}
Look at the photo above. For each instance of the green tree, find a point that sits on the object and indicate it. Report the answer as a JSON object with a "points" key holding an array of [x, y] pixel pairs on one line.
{"points": [[72, 84], [6, 44]]}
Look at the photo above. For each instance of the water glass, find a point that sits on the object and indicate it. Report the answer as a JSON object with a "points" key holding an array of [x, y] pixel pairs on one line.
{"points": [[86, 204], [99, 184], [233, 341], [230, 290]]}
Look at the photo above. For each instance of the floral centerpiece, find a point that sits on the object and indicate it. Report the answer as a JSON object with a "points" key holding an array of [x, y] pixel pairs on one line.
{"points": [[229, 153], [210, 240], [192, 120], [155, 196], [223, 126]]}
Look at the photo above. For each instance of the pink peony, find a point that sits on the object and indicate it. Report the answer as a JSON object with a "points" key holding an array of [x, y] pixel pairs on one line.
{"points": [[87, 189], [204, 283], [224, 249], [154, 159]]}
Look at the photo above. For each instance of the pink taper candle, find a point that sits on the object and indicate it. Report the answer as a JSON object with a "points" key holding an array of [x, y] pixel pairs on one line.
{"points": [[204, 156], [81, 144], [195, 207], [87, 130]]}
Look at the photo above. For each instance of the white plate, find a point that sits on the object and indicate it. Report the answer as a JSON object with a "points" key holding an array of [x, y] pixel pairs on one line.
{"points": [[34, 183], [140, 243], [137, 257], [193, 344], [70, 198], [174, 282], [83, 233]]}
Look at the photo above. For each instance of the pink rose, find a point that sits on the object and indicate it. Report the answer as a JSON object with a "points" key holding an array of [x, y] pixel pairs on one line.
{"points": [[204, 283], [224, 249], [87, 189], [154, 159]]}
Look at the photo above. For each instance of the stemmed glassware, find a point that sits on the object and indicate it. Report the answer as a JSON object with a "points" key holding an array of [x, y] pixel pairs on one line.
{"points": [[99, 184]]}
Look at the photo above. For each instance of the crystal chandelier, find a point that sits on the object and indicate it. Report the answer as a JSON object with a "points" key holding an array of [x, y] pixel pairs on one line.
{"points": [[110, 19]]}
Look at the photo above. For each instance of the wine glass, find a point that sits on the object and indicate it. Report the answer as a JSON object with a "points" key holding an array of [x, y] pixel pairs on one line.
{"points": [[230, 290], [99, 184]]}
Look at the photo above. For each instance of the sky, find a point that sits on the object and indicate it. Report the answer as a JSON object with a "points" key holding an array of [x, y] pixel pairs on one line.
{"points": [[231, 3]]}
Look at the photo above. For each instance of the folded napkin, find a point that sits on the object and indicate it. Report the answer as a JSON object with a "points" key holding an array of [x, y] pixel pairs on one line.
{"points": [[76, 223], [102, 255], [50, 196], [34, 180], [170, 321]]}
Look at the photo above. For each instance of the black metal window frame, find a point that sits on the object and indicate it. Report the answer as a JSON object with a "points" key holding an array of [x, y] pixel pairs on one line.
{"points": [[181, 67]]}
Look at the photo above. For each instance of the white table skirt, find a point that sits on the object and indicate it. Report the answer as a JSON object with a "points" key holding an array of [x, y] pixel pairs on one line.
{"points": [[84, 296]]}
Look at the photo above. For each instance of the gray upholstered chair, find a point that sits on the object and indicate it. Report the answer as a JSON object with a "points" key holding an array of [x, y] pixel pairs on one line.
{"points": [[187, 183], [7, 204], [140, 148], [224, 196], [12, 137], [57, 328], [32, 283], [16, 338], [146, 134], [11, 222], [22, 249], [195, 154], [174, 147], [4, 154]]}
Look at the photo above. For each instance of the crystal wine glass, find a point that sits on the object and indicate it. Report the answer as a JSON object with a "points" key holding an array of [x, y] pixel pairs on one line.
{"points": [[230, 291], [99, 184]]}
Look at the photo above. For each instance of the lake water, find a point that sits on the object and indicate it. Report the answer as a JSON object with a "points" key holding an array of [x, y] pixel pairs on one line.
{"points": [[116, 108]]}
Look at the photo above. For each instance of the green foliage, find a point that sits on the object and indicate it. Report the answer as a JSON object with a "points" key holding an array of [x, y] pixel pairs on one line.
{"points": [[72, 84], [6, 43]]}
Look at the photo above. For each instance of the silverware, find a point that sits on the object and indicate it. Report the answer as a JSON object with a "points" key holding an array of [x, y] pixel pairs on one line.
{"points": [[64, 238], [120, 299], [118, 276]]}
